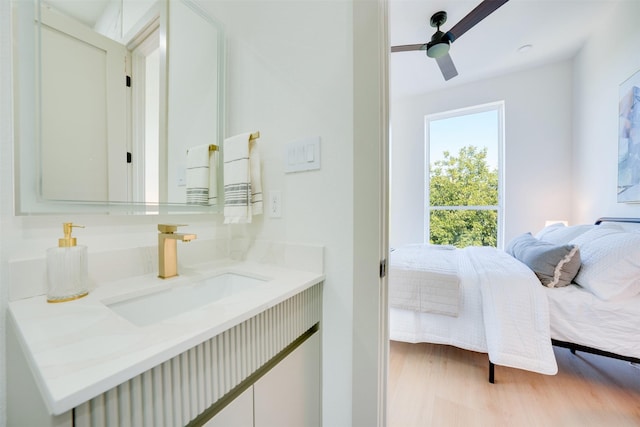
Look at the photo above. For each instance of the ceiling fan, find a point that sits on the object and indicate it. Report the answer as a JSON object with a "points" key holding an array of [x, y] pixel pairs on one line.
{"points": [[438, 47]]}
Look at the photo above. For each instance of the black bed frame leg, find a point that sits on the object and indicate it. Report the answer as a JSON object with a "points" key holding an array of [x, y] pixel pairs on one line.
{"points": [[491, 372]]}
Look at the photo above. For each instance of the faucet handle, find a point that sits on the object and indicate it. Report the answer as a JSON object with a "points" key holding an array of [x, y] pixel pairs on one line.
{"points": [[169, 228]]}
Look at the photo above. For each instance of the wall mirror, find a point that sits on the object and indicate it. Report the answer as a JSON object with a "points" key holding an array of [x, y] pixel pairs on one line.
{"points": [[126, 93]]}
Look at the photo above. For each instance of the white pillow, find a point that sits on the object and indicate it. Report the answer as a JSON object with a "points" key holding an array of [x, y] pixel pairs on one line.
{"points": [[548, 229], [559, 234], [610, 263]]}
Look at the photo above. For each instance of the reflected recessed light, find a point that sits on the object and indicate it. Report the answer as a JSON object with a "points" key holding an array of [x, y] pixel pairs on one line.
{"points": [[525, 48]]}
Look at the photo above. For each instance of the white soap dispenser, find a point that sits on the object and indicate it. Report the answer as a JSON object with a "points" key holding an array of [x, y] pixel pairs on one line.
{"points": [[67, 270]]}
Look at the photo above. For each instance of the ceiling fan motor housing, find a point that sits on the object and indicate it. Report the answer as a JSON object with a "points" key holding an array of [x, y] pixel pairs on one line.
{"points": [[438, 46]]}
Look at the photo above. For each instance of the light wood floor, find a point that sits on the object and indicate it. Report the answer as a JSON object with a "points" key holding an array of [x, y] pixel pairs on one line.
{"points": [[438, 385]]}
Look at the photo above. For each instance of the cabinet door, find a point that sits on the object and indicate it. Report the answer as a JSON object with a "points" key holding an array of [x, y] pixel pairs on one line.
{"points": [[238, 413], [289, 395]]}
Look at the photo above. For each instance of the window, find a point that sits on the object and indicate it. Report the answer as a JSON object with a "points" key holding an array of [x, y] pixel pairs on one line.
{"points": [[464, 164]]}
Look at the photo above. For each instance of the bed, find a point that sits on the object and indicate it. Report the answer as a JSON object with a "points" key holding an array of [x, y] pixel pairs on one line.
{"points": [[514, 307]]}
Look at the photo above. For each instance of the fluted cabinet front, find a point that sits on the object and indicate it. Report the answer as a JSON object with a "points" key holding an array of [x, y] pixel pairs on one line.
{"points": [[174, 393]]}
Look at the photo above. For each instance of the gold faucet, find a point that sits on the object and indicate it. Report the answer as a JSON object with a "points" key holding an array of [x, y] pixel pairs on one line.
{"points": [[168, 249]]}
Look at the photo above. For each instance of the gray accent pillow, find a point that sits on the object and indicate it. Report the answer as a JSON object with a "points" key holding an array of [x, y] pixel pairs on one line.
{"points": [[554, 265]]}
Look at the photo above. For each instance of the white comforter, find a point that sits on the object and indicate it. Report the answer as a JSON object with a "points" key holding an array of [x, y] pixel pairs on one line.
{"points": [[503, 312], [425, 278]]}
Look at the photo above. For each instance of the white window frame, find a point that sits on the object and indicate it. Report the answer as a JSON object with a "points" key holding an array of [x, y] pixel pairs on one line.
{"points": [[497, 106]]}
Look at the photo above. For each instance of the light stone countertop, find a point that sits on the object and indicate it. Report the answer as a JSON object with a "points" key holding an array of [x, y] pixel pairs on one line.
{"points": [[80, 349]]}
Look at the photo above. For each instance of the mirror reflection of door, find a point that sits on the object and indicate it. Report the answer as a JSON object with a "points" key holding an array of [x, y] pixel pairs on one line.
{"points": [[146, 117], [102, 141], [83, 126]]}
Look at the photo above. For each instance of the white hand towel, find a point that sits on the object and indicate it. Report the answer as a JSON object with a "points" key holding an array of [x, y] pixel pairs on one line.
{"points": [[213, 178], [198, 175], [256, 181], [202, 176], [242, 186]]}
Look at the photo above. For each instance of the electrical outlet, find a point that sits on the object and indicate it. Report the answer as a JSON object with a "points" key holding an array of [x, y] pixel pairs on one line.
{"points": [[275, 204]]}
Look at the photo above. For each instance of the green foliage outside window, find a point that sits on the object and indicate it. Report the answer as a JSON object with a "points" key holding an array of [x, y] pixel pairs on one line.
{"points": [[465, 180]]}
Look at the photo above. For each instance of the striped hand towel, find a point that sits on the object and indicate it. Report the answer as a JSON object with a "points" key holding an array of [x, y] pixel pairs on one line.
{"points": [[213, 178], [202, 176], [242, 185], [256, 181]]}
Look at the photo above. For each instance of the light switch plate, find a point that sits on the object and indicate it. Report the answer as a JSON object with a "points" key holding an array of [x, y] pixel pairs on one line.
{"points": [[302, 155]]}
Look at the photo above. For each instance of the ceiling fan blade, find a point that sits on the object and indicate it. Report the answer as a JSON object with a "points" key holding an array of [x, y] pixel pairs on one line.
{"points": [[446, 67], [408, 47], [484, 9]]}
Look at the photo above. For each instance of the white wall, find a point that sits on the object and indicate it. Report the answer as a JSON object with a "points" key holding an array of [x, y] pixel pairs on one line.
{"points": [[537, 148], [600, 68]]}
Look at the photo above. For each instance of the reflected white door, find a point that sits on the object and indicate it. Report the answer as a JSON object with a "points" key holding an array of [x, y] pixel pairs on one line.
{"points": [[83, 121], [145, 107]]}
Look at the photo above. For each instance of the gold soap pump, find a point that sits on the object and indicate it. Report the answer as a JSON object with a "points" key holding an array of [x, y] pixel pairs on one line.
{"points": [[67, 272]]}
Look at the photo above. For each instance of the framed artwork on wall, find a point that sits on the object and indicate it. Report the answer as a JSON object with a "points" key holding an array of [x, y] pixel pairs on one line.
{"points": [[629, 140]]}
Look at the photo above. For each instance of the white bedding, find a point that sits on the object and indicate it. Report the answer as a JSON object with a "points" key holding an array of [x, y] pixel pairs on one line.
{"points": [[425, 278], [579, 317], [503, 312]]}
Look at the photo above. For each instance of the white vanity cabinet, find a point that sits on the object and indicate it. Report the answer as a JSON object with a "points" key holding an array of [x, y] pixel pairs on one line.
{"points": [[261, 369], [288, 395]]}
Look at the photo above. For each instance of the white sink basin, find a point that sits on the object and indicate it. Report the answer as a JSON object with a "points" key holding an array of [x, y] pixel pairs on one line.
{"points": [[151, 308]]}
